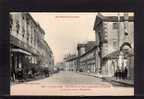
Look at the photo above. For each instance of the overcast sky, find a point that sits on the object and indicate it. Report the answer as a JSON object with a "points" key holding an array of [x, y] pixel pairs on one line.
{"points": [[65, 30]]}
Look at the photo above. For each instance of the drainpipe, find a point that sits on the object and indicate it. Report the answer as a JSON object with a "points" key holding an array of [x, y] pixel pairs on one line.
{"points": [[126, 27], [118, 30]]}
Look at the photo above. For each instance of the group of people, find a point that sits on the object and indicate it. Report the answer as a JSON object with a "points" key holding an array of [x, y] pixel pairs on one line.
{"points": [[121, 73], [22, 75]]}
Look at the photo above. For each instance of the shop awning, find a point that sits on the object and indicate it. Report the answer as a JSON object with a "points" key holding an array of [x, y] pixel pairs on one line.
{"points": [[20, 51]]}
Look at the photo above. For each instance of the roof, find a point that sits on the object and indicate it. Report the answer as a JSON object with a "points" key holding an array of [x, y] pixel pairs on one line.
{"points": [[100, 18], [89, 51], [115, 54], [80, 45], [114, 18], [71, 57], [37, 24], [90, 45]]}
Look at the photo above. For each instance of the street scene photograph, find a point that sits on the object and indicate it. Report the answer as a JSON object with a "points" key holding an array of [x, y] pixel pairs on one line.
{"points": [[71, 53]]}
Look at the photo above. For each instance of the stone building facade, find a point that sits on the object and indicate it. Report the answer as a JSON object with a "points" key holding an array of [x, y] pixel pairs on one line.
{"points": [[86, 56], [70, 62], [27, 44], [113, 48], [85, 61], [115, 40]]}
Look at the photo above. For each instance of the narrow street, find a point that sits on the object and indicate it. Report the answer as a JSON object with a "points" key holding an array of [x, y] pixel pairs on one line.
{"points": [[69, 83]]}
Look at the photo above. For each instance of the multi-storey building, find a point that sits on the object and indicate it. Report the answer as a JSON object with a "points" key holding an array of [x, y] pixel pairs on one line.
{"points": [[87, 57], [115, 40], [27, 44], [60, 65], [70, 62]]}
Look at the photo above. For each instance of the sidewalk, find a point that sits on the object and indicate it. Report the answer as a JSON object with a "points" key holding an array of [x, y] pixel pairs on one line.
{"points": [[27, 80], [110, 79], [124, 82]]}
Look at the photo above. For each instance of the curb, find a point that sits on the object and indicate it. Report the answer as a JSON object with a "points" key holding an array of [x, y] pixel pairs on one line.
{"points": [[123, 83], [108, 80], [128, 84]]}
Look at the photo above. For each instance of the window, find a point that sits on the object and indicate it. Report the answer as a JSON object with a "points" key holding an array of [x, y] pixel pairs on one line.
{"points": [[27, 36], [94, 54], [114, 44], [34, 31], [125, 26], [17, 26], [31, 39], [115, 25], [23, 17], [126, 34], [105, 36], [23, 31], [27, 21], [11, 22]]}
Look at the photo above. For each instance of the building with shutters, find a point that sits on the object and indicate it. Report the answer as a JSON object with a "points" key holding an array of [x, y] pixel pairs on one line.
{"points": [[27, 44]]}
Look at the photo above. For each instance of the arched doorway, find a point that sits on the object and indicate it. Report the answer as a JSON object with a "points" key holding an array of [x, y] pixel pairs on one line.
{"points": [[126, 57]]}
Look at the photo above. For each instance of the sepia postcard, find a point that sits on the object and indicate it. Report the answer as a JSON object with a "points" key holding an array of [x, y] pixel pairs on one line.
{"points": [[71, 53]]}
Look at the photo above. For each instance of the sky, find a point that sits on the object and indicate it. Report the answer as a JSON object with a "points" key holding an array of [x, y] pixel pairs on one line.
{"points": [[63, 31]]}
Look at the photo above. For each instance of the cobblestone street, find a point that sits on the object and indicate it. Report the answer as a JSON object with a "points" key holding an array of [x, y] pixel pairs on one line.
{"points": [[69, 83]]}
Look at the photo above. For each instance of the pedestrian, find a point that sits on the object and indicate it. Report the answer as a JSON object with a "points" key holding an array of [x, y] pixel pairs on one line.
{"points": [[126, 72], [116, 74], [122, 74], [20, 74], [119, 74]]}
